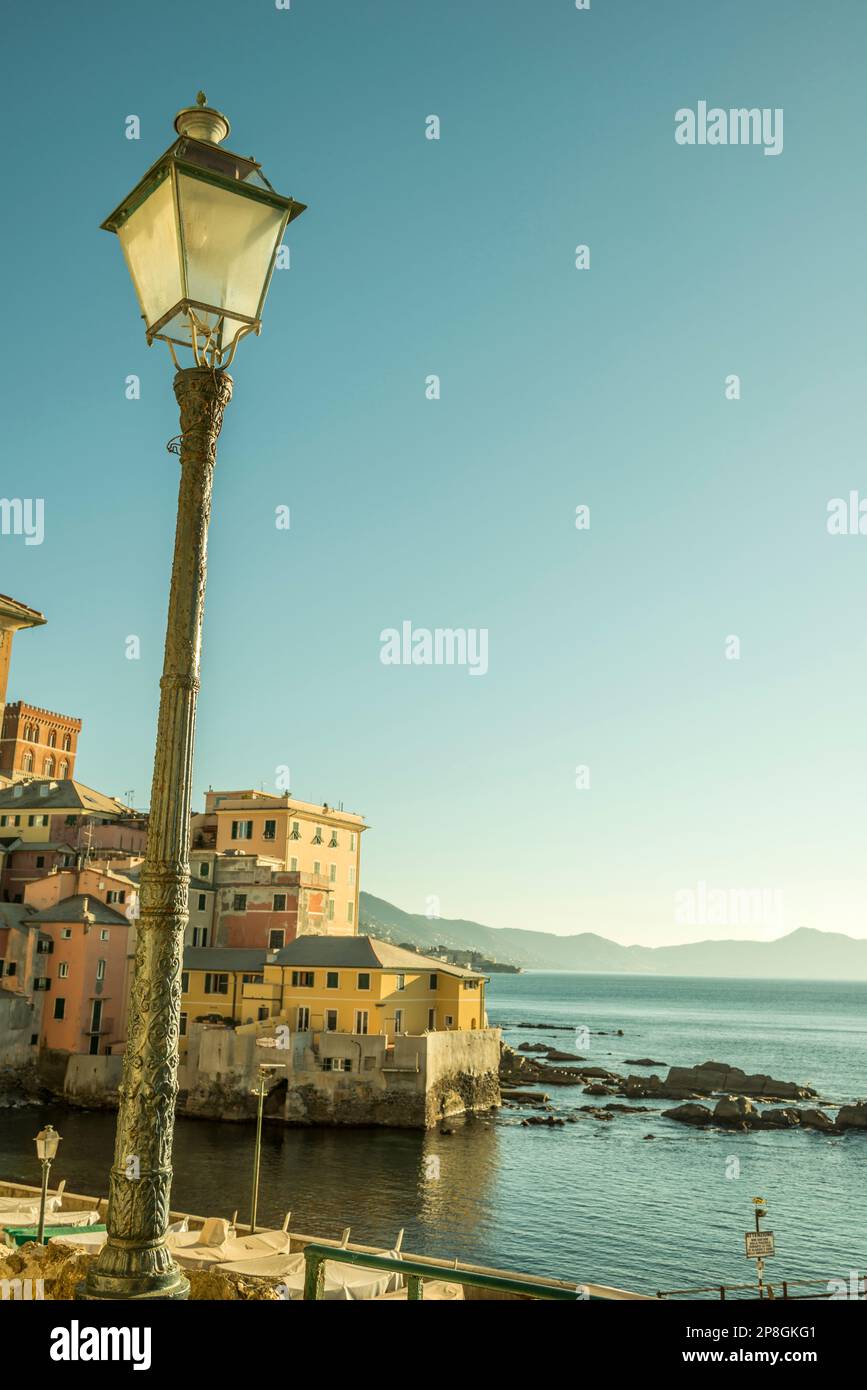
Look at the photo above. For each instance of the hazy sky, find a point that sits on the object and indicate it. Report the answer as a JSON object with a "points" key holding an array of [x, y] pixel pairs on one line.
{"points": [[560, 387]]}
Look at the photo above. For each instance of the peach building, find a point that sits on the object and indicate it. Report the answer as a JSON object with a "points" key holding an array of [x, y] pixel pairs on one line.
{"points": [[87, 914], [318, 844]]}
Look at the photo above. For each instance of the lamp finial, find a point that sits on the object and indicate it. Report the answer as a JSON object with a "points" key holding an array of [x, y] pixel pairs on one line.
{"points": [[202, 122]]}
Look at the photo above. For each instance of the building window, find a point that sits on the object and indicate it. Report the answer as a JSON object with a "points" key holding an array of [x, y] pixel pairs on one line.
{"points": [[431, 1020], [40, 861], [350, 912], [239, 902], [364, 981], [70, 820], [216, 984], [104, 934], [59, 1008], [182, 1029], [100, 969], [63, 770], [253, 979], [331, 909], [204, 870], [37, 820], [331, 1020], [279, 902], [352, 840], [200, 936], [449, 1021], [470, 984], [48, 766], [293, 866], [295, 833], [63, 970], [434, 981], [317, 836], [360, 1021], [303, 1019], [352, 875], [302, 979], [203, 900], [270, 832], [332, 980], [332, 873], [67, 743], [27, 762], [275, 939], [398, 1020], [332, 843], [52, 739], [317, 866], [185, 982], [66, 933], [242, 830], [400, 982], [263, 1013]]}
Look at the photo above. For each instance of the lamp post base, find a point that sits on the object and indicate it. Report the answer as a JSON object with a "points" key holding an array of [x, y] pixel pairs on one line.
{"points": [[152, 1288]]}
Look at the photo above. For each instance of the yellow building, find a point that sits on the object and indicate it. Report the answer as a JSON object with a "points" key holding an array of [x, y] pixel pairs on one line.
{"points": [[301, 836], [332, 984], [213, 983], [34, 809]]}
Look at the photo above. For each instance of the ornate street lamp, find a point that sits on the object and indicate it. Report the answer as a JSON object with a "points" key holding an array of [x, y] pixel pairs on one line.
{"points": [[46, 1143], [200, 234]]}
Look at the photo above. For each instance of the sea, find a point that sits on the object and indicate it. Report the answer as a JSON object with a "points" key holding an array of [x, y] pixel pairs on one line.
{"points": [[638, 1202]]}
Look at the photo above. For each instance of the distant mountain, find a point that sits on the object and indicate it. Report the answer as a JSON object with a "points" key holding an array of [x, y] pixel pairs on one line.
{"points": [[802, 955]]}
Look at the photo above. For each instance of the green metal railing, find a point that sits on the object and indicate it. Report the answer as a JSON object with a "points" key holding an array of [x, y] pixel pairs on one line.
{"points": [[315, 1257], [769, 1289]]}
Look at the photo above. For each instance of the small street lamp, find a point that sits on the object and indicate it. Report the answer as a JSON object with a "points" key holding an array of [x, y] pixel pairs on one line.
{"points": [[265, 1070], [200, 234], [46, 1143]]}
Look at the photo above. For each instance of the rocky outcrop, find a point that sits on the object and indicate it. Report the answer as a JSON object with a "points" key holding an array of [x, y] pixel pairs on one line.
{"points": [[853, 1116], [738, 1112], [690, 1114], [712, 1077], [519, 1069], [734, 1110]]}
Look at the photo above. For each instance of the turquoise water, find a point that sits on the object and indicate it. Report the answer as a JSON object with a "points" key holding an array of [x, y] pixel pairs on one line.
{"points": [[589, 1201]]}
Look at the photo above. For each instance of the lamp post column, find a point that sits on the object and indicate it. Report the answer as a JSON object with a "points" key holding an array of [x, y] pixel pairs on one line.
{"points": [[135, 1261], [46, 1165]]}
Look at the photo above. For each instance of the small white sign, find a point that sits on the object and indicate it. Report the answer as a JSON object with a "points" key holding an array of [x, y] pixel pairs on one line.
{"points": [[760, 1245]]}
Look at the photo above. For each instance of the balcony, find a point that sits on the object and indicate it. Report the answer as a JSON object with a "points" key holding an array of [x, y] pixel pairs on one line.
{"points": [[105, 1027]]}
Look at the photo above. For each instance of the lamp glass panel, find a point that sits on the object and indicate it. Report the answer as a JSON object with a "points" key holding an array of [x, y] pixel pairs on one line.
{"points": [[150, 245], [229, 241]]}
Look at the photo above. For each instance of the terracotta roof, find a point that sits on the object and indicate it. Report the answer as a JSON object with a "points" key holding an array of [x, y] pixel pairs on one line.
{"points": [[62, 794], [362, 953], [28, 617], [72, 910], [14, 914]]}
